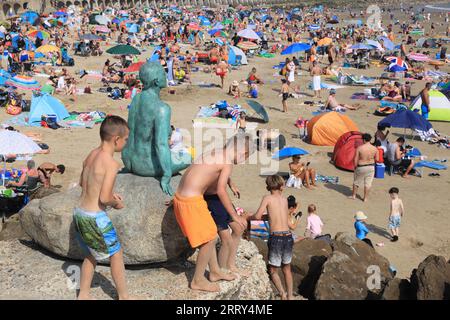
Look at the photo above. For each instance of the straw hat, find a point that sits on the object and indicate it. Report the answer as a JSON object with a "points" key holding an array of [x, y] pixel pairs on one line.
{"points": [[360, 215], [235, 83]]}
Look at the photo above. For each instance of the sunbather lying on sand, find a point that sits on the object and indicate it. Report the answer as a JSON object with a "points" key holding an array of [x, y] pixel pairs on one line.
{"points": [[333, 105]]}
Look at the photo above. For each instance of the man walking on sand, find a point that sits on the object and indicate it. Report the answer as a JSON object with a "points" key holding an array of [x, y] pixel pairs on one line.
{"points": [[316, 71], [365, 157]]}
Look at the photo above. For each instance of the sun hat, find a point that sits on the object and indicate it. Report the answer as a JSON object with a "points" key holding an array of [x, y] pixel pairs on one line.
{"points": [[360, 215], [235, 83]]}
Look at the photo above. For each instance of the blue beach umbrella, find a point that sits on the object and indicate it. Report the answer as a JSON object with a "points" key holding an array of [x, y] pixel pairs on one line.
{"points": [[360, 46], [406, 119], [314, 27], [388, 44], [296, 47], [289, 152]]}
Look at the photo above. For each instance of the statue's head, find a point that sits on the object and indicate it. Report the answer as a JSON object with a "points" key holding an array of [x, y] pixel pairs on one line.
{"points": [[152, 75]]}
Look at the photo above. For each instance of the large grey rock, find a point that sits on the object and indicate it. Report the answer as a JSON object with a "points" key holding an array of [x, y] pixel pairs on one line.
{"points": [[398, 289], [354, 271], [30, 273], [431, 280], [308, 257], [147, 228]]}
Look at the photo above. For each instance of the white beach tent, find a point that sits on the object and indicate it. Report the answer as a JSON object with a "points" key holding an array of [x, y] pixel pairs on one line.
{"points": [[439, 106], [239, 52]]}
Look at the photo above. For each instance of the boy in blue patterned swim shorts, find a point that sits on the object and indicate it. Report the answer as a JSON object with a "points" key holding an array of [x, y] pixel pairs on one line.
{"points": [[92, 223], [396, 214]]}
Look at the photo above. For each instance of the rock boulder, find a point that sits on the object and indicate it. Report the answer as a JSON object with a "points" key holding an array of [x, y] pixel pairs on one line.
{"points": [[354, 271], [147, 228], [431, 280]]}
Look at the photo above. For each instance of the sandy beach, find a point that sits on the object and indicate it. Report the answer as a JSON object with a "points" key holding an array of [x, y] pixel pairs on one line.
{"points": [[425, 225]]}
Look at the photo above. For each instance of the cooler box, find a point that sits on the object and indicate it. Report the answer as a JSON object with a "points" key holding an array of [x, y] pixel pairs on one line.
{"points": [[380, 168], [52, 117]]}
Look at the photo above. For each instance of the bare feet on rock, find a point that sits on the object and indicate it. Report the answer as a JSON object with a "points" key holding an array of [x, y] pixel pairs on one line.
{"points": [[204, 285], [217, 276]]}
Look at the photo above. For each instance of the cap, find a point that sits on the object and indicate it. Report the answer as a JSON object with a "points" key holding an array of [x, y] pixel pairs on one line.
{"points": [[360, 215]]}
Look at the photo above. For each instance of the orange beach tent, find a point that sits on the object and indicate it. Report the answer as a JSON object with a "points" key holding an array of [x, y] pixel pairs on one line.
{"points": [[326, 128]]}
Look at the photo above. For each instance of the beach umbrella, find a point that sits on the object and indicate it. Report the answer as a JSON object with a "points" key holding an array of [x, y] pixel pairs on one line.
{"points": [[103, 20], [23, 82], [13, 142], [48, 48], [227, 21], [247, 45], [134, 67], [324, 42], [39, 34], [218, 25], [153, 20], [91, 37], [374, 44], [418, 57], [248, 34], [29, 17], [314, 27], [360, 46], [55, 22], [60, 14], [259, 109], [115, 21], [388, 44], [103, 29], [133, 28], [289, 152], [218, 33], [406, 119], [296, 47], [123, 49]]}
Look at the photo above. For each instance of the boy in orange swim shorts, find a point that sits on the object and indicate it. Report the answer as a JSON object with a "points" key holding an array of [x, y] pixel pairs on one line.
{"points": [[211, 170]]}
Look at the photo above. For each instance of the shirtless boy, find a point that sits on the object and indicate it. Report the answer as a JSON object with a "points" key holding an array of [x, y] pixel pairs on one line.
{"points": [[209, 174], [396, 213], [280, 241], [92, 223], [365, 157]]}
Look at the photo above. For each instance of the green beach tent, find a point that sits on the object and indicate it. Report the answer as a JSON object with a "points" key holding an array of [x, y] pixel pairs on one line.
{"points": [[439, 106]]}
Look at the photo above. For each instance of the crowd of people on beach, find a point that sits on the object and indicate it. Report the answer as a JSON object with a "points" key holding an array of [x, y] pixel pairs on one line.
{"points": [[202, 205]]}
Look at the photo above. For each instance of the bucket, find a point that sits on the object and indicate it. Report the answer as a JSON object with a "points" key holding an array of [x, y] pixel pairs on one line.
{"points": [[379, 171]]}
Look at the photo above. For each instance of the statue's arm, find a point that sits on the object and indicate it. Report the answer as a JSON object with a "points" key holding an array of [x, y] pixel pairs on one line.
{"points": [[162, 127]]}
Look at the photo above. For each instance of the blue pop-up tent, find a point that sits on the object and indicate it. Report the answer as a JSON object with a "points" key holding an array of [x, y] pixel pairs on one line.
{"points": [[46, 104]]}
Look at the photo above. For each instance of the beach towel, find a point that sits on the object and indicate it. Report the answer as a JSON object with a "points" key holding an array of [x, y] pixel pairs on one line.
{"points": [[327, 179], [18, 121], [326, 86], [431, 165], [363, 96], [259, 229]]}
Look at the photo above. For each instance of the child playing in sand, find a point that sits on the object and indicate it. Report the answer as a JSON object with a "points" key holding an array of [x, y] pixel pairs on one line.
{"points": [[280, 240], [361, 228], [209, 174], [92, 223], [314, 223], [396, 213]]}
